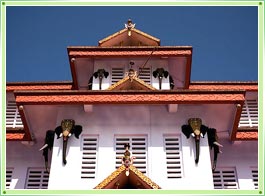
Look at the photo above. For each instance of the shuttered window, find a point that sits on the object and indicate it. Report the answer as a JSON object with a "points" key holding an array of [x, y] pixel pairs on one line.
{"points": [[145, 74], [254, 172], [138, 149], [9, 173], [225, 178], [13, 119], [89, 157], [37, 178], [249, 115], [173, 156], [117, 73]]}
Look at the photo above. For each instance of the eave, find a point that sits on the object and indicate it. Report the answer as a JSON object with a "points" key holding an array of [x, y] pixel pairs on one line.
{"points": [[232, 85], [129, 97], [30, 86]]}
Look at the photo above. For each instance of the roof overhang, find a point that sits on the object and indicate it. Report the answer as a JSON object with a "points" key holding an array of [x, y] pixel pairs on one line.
{"points": [[128, 97]]}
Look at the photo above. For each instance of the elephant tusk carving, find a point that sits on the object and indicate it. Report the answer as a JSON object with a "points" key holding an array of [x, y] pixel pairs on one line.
{"points": [[45, 146], [48, 145], [218, 144]]}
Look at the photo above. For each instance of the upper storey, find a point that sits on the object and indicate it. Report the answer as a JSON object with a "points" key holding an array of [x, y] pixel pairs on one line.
{"points": [[129, 36], [162, 67]]}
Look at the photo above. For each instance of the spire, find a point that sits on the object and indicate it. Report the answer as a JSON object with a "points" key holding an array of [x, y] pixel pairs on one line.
{"points": [[129, 26]]}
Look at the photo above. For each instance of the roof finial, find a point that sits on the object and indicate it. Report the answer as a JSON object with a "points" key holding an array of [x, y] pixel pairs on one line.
{"points": [[129, 26]]}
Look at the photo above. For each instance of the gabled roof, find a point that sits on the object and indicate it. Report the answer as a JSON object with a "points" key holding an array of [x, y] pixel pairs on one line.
{"points": [[134, 84], [119, 180], [129, 36]]}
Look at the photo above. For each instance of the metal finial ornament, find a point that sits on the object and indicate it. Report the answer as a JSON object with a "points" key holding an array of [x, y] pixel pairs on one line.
{"points": [[129, 26], [127, 160]]}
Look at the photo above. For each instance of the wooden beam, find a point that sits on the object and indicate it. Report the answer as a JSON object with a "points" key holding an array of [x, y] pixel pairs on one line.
{"points": [[239, 108]]}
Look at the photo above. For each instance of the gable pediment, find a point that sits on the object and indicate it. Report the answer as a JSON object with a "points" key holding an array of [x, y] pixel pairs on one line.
{"points": [[119, 180], [131, 84], [129, 37]]}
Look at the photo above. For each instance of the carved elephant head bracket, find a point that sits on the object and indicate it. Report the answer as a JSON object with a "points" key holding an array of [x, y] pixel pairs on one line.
{"points": [[66, 129], [100, 73], [196, 129], [160, 73]]}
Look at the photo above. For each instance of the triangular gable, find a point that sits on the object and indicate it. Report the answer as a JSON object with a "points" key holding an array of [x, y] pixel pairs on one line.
{"points": [[129, 37], [131, 84], [119, 180]]}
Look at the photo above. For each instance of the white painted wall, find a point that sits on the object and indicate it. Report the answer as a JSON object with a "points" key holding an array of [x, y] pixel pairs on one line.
{"points": [[106, 121]]}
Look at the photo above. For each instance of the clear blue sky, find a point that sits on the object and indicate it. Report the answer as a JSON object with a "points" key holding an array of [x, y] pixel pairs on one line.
{"points": [[224, 39]]}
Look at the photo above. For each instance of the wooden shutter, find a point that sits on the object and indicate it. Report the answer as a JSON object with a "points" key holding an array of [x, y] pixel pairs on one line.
{"points": [[13, 119], [89, 157], [117, 73], [225, 178], [249, 115], [173, 156], [138, 148], [254, 172], [9, 173], [145, 74], [37, 178]]}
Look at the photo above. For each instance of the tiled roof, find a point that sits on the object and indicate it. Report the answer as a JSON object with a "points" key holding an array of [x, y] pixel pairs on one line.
{"points": [[132, 97], [247, 136], [248, 86], [29, 86], [129, 53]]}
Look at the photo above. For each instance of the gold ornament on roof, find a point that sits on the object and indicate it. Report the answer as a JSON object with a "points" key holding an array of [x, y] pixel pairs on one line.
{"points": [[129, 26]]}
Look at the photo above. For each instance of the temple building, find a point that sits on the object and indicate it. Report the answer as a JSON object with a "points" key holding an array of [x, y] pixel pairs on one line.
{"points": [[131, 118]]}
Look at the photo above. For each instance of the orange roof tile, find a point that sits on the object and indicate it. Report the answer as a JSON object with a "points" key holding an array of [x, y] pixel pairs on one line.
{"points": [[14, 136], [39, 87], [129, 98], [129, 53], [248, 86], [247, 136]]}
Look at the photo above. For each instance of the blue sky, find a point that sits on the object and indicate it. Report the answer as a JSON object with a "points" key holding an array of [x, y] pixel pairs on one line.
{"points": [[224, 39]]}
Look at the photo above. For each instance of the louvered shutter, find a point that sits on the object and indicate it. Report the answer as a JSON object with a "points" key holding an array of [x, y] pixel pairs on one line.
{"points": [[173, 156], [9, 173], [37, 178], [225, 178], [13, 119], [138, 148], [249, 115], [117, 73], [89, 157], [145, 74], [254, 172]]}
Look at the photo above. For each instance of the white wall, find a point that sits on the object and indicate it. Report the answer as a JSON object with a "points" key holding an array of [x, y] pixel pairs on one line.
{"points": [[106, 121]]}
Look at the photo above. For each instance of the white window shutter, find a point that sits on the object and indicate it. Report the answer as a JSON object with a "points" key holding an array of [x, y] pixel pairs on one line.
{"points": [[254, 172], [145, 74], [249, 115], [117, 73], [13, 119], [173, 156], [138, 149], [225, 178], [37, 178], [89, 157], [9, 173]]}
